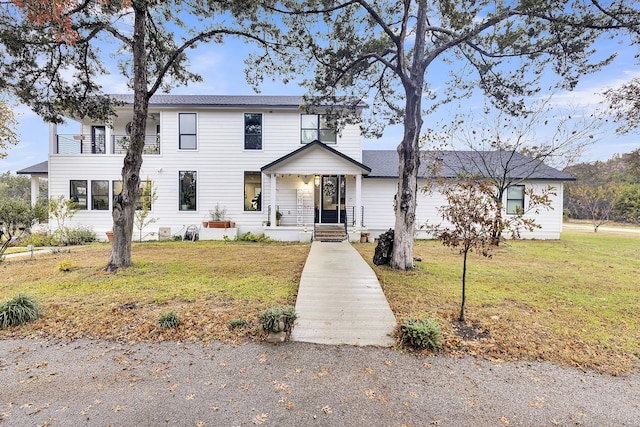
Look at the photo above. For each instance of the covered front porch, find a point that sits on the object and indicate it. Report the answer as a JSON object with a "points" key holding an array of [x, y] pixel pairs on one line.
{"points": [[313, 186]]}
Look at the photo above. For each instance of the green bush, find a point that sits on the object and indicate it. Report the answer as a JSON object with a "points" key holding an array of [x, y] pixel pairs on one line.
{"points": [[278, 319], [239, 323], [250, 237], [74, 236], [420, 334], [40, 239], [169, 320], [18, 310]]}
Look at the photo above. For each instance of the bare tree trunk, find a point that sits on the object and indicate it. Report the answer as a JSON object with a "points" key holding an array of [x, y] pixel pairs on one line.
{"points": [[125, 204], [405, 203], [464, 283]]}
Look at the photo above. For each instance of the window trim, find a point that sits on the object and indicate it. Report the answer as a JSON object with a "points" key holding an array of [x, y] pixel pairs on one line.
{"points": [[74, 196], [318, 128], [181, 134], [261, 134], [94, 195], [510, 211]]}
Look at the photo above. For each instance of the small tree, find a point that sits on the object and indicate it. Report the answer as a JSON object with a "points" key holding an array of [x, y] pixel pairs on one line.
{"points": [[596, 202], [62, 209], [148, 196], [470, 220], [16, 217]]}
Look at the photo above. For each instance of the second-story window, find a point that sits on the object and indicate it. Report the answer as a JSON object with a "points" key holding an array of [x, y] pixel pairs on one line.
{"points": [[188, 135], [253, 131], [316, 126]]}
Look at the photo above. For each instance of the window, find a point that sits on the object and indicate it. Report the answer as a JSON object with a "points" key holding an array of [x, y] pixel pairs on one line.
{"points": [[252, 191], [515, 200], [187, 139], [145, 187], [100, 195], [78, 193], [316, 126], [253, 131], [187, 190]]}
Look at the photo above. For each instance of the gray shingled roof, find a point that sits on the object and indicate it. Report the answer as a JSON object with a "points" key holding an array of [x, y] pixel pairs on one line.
{"points": [[40, 168], [238, 101], [384, 164]]}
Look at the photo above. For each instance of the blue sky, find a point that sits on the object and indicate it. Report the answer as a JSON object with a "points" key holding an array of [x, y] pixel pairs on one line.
{"points": [[222, 68]]}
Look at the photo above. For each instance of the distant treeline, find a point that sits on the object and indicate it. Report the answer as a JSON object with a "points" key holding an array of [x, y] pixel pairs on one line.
{"points": [[613, 185]]}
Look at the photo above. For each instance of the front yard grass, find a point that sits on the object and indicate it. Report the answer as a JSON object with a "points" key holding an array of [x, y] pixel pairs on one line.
{"points": [[574, 302]]}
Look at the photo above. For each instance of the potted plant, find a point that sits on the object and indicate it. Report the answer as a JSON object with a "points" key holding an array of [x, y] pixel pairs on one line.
{"points": [[278, 217], [218, 218], [278, 323]]}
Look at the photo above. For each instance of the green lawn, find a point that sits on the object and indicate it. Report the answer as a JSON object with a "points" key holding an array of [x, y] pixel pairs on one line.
{"points": [[573, 302]]}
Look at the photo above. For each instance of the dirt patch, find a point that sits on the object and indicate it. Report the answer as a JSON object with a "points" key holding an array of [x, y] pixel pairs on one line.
{"points": [[470, 331]]}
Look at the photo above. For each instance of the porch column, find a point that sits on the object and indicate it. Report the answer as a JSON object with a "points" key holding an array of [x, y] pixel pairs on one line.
{"points": [[53, 138], [107, 139], [35, 189], [272, 214], [358, 201]]}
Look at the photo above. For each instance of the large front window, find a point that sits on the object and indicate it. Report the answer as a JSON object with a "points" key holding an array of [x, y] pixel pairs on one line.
{"points": [[253, 131], [316, 127], [78, 193], [515, 199], [252, 191], [100, 195], [188, 189], [188, 133]]}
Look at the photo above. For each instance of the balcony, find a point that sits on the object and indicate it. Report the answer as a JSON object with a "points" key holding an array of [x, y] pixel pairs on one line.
{"points": [[86, 144]]}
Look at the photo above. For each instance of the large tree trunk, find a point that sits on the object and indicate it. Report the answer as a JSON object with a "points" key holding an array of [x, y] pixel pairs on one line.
{"points": [[405, 202], [409, 149], [124, 205]]}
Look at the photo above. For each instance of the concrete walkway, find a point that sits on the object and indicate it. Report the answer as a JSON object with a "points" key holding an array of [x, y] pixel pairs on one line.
{"points": [[340, 300]]}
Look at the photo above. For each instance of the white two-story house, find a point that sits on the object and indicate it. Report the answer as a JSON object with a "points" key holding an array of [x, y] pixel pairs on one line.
{"points": [[271, 166]]}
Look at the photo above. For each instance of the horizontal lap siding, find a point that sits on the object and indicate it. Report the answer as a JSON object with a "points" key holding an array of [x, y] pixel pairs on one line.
{"points": [[220, 161], [378, 195]]}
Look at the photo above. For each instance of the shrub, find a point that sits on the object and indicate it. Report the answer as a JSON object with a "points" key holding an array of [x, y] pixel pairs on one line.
{"points": [[74, 236], [278, 319], [169, 320], [40, 239], [18, 310], [65, 265], [238, 323], [250, 237], [420, 334]]}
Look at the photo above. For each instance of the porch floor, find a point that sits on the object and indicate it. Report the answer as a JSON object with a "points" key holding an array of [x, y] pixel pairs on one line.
{"points": [[340, 300]]}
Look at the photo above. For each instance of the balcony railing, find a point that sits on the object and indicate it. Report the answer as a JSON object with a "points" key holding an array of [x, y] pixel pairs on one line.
{"points": [[120, 143], [86, 144]]}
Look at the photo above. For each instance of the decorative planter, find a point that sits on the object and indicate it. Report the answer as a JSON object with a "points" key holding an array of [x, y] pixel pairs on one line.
{"points": [[218, 224], [364, 238], [109, 236]]}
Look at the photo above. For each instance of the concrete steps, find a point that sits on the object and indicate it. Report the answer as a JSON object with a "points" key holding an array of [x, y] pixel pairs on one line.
{"points": [[329, 233]]}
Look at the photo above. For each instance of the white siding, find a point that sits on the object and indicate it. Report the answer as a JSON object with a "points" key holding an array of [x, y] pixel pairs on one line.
{"points": [[220, 161], [378, 196]]}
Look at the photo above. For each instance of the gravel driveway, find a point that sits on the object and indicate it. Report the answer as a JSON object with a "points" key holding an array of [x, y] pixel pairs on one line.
{"points": [[294, 384]]}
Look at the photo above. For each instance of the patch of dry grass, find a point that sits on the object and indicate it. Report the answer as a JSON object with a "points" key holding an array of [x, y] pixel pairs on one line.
{"points": [[573, 302], [207, 284]]}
